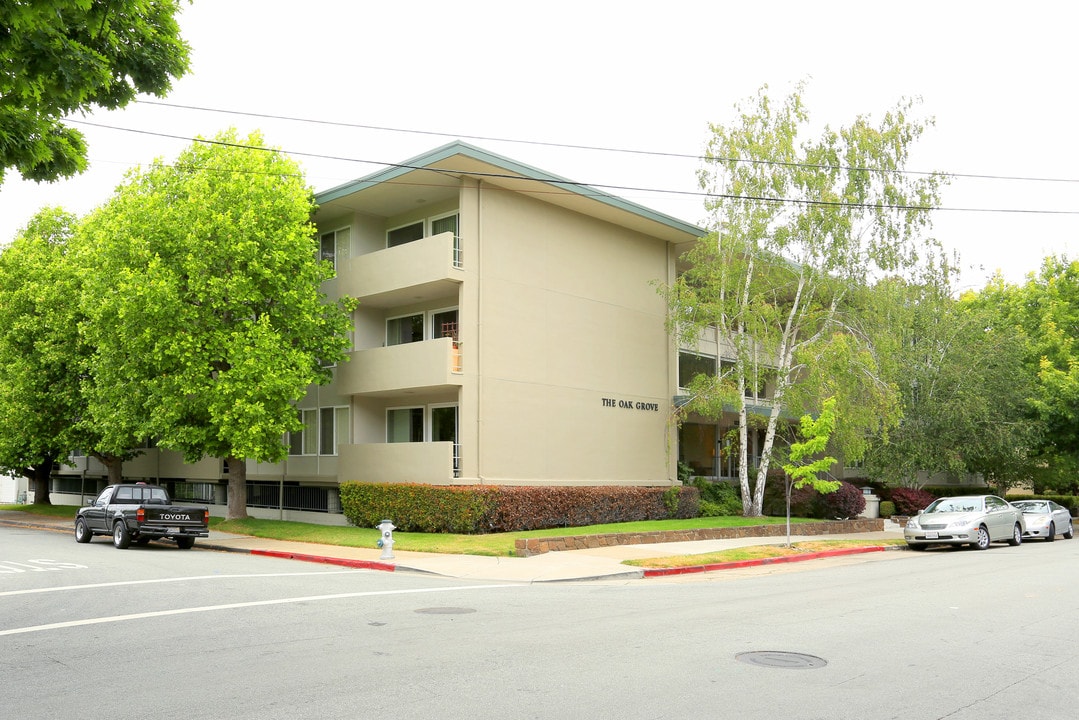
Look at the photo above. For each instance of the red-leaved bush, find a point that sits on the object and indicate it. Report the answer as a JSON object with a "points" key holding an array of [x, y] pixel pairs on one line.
{"points": [[910, 501]]}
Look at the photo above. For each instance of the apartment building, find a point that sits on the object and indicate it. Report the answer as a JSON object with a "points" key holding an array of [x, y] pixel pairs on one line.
{"points": [[509, 331]]}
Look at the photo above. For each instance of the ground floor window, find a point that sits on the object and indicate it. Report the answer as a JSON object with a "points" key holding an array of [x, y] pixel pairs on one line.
{"points": [[431, 423], [404, 425]]}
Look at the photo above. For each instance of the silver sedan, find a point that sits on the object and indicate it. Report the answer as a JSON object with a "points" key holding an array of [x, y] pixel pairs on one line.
{"points": [[1045, 518], [977, 520]]}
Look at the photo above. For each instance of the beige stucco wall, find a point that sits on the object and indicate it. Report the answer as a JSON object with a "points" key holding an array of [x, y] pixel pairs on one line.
{"points": [[569, 317]]}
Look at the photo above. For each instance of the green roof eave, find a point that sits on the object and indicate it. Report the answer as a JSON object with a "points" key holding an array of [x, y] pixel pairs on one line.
{"points": [[518, 169]]}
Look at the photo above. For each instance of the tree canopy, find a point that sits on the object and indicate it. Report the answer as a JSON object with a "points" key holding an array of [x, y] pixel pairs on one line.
{"points": [[797, 226], [59, 57], [205, 305], [39, 375]]}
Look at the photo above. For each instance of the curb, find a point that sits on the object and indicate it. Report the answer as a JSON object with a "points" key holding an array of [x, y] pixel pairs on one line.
{"points": [[345, 562], [733, 565]]}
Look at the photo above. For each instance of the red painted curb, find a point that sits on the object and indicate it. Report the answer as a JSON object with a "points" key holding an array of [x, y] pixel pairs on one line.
{"points": [[363, 564], [660, 572]]}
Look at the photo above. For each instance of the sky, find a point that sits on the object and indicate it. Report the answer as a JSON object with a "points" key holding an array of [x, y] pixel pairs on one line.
{"points": [[346, 87]]}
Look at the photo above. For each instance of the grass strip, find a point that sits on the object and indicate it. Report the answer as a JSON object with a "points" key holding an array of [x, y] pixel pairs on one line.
{"points": [[756, 552]]}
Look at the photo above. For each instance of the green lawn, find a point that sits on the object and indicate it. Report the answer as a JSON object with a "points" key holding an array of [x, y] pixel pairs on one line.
{"points": [[498, 544]]}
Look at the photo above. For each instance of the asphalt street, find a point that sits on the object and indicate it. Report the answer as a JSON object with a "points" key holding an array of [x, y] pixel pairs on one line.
{"points": [[161, 633]]}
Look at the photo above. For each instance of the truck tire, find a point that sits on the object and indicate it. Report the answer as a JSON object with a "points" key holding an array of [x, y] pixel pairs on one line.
{"points": [[185, 543], [82, 533], [121, 536]]}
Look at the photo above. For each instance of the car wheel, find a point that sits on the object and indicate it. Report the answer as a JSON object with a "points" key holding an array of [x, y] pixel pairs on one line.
{"points": [[982, 542], [1017, 536], [917, 546], [185, 543], [121, 536], [1052, 532], [1068, 533], [82, 533]]}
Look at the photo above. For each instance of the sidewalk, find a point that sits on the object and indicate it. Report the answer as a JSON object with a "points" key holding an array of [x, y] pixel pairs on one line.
{"points": [[575, 565]]}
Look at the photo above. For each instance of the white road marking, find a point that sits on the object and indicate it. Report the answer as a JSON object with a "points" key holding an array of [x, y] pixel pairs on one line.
{"points": [[232, 606], [91, 586]]}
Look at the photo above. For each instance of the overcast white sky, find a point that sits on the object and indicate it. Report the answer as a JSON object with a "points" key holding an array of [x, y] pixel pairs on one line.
{"points": [[998, 78]]}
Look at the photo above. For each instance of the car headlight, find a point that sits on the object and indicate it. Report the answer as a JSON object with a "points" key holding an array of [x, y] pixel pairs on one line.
{"points": [[912, 523], [1037, 522]]}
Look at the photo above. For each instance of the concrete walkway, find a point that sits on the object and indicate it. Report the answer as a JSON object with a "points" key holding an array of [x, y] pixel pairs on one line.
{"points": [[575, 565]]}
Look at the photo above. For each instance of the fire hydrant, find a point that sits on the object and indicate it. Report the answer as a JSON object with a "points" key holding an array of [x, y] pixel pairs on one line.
{"points": [[386, 541]]}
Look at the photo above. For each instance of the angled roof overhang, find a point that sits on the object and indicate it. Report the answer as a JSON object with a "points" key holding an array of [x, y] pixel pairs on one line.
{"points": [[436, 176]]}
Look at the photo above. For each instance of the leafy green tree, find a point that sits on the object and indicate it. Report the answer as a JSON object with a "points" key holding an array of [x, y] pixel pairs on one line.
{"points": [[807, 459], [206, 312], [39, 381], [59, 57], [798, 228], [965, 393], [1044, 312]]}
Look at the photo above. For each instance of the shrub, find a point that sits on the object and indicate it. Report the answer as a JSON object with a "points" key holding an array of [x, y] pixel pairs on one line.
{"points": [[910, 501], [887, 508], [723, 497], [846, 502], [481, 509]]}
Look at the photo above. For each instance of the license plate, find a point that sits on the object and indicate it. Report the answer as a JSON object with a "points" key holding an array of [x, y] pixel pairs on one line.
{"points": [[932, 536], [173, 530]]}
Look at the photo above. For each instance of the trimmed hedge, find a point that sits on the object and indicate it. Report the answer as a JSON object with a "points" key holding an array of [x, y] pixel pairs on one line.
{"points": [[472, 509]]}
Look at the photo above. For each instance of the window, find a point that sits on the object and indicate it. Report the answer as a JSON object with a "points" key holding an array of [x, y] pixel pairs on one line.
{"points": [[332, 429], [404, 425], [405, 329], [444, 324], [427, 227], [323, 430], [405, 234], [334, 247], [304, 442], [447, 223], [690, 365]]}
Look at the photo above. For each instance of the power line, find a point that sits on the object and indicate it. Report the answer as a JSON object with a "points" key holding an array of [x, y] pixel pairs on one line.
{"points": [[568, 146], [576, 184]]}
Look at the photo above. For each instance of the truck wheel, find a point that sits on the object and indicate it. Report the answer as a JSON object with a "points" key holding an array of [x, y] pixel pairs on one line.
{"points": [[142, 541], [82, 533], [185, 543], [121, 536]]}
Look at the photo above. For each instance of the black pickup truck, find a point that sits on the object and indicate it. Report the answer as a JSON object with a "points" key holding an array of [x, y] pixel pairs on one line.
{"points": [[139, 513]]}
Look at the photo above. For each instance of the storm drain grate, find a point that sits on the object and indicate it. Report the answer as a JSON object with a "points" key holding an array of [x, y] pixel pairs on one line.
{"points": [[446, 611], [785, 660]]}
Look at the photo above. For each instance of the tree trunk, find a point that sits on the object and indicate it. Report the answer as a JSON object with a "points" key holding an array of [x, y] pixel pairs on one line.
{"points": [[237, 508], [41, 477], [115, 468]]}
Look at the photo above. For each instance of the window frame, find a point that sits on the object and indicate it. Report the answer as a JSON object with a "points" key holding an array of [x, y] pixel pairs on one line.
{"points": [[423, 232], [341, 252]]}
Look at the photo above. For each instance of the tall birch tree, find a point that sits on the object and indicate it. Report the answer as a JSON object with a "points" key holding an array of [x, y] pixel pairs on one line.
{"points": [[798, 225]]}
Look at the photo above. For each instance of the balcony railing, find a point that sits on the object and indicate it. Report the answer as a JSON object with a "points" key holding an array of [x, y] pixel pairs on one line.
{"points": [[426, 462], [389, 277], [429, 364]]}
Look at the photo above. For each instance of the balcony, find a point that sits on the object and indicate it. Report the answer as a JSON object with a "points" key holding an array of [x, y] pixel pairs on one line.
{"points": [[424, 462], [427, 365], [422, 269]]}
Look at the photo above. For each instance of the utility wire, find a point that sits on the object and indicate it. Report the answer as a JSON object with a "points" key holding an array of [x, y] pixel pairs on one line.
{"points": [[576, 184], [652, 153]]}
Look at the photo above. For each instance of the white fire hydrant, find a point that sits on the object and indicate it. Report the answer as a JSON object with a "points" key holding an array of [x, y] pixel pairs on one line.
{"points": [[386, 541]]}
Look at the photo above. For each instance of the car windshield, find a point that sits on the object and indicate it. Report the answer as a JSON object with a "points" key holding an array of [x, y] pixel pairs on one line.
{"points": [[955, 505], [1031, 507]]}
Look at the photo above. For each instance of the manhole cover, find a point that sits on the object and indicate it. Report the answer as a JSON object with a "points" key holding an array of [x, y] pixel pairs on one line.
{"points": [[446, 611], [787, 660]]}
